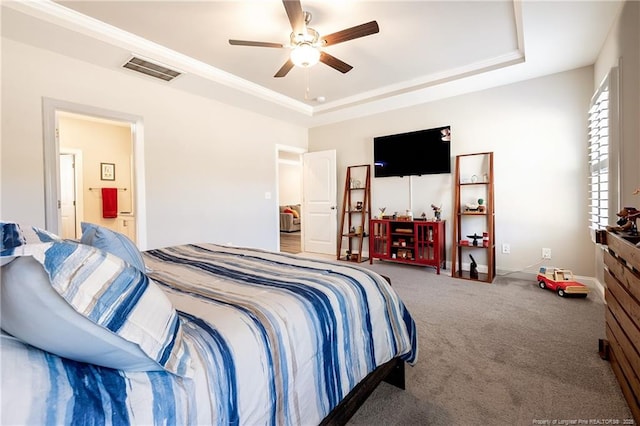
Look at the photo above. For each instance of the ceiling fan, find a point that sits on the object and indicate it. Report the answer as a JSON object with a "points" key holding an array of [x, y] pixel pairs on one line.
{"points": [[307, 44]]}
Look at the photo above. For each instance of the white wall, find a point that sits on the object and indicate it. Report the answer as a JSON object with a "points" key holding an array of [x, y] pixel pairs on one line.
{"points": [[622, 49], [290, 177], [537, 131], [208, 165]]}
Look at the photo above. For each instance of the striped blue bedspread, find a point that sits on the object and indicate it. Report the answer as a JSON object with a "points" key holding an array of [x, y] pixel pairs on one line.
{"points": [[274, 339]]}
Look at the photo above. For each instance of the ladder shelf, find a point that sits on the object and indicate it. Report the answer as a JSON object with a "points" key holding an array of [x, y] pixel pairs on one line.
{"points": [[356, 214]]}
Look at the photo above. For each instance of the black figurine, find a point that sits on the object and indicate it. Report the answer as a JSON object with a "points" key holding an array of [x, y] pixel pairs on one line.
{"points": [[473, 268], [475, 237]]}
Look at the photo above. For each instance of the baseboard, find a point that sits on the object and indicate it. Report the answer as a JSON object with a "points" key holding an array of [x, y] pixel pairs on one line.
{"points": [[593, 283], [597, 286], [518, 274]]}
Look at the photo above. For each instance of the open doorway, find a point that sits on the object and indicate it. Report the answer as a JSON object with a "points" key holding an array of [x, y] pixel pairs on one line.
{"points": [[290, 199], [95, 166], [96, 155]]}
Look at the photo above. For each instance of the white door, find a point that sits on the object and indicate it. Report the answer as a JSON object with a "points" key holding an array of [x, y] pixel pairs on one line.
{"points": [[319, 212], [68, 196]]}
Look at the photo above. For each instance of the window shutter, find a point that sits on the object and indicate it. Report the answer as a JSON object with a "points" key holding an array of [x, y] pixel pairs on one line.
{"points": [[598, 152]]}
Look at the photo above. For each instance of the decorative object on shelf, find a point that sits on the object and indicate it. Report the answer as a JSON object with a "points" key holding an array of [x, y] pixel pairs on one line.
{"points": [[480, 205], [475, 237], [627, 221], [485, 239], [382, 210], [359, 230], [474, 179], [359, 205], [471, 207], [437, 212], [473, 268], [347, 254]]}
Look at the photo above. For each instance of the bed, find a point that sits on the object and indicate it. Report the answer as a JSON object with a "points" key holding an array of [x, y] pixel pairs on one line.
{"points": [[244, 336]]}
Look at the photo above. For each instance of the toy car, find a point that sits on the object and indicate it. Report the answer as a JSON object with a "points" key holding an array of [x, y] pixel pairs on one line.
{"points": [[561, 281]]}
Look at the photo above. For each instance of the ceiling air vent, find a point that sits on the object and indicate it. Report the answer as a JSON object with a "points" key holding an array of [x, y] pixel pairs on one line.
{"points": [[149, 68]]}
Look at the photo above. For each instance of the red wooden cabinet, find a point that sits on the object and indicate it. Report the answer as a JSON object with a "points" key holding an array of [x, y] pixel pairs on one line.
{"points": [[414, 242]]}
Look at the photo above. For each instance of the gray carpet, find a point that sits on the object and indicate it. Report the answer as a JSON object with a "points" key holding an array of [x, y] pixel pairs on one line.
{"points": [[506, 353]]}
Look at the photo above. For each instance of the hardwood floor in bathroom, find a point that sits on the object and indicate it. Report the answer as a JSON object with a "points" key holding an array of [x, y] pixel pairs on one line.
{"points": [[290, 242]]}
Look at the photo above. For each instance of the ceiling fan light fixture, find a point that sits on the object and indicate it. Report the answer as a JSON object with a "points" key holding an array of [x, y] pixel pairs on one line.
{"points": [[305, 55]]}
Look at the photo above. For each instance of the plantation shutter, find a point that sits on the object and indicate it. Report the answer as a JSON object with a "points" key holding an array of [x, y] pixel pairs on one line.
{"points": [[598, 152]]}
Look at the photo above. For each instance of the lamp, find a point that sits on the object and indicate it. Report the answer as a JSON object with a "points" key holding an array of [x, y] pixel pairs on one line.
{"points": [[305, 55]]}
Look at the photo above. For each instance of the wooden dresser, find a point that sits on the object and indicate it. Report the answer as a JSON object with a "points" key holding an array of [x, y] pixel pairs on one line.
{"points": [[622, 314]]}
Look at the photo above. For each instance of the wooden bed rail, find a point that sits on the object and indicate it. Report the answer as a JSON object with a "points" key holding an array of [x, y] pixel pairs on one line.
{"points": [[392, 372], [622, 314]]}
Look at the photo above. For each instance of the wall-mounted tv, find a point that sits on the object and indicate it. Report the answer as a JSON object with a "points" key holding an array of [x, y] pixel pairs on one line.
{"points": [[423, 152]]}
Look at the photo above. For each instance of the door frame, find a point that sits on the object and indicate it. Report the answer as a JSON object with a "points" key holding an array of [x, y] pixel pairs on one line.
{"points": [[50, 109]]}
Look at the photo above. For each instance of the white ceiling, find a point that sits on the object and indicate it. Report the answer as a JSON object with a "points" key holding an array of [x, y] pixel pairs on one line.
{"points": [[425, 50]]}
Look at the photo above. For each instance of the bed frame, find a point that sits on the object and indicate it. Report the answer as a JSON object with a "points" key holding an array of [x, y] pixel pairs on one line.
{"points": [[391, 372]]}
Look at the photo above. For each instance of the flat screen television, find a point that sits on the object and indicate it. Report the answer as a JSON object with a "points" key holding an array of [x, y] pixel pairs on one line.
{"points": [[423, 152]]}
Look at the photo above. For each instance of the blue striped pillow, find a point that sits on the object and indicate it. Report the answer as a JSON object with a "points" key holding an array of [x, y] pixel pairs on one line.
{"points": [[116, 302], [14, 235], [113, 242]]}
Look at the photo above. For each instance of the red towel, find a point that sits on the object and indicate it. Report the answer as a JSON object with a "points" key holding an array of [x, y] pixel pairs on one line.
{"points": [[109, 203]]}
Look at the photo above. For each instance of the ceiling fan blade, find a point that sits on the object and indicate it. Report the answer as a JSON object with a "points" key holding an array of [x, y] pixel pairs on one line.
{"points": [[351, 33], [254, 43], [335, 63], [295, 14], [284, 70]]}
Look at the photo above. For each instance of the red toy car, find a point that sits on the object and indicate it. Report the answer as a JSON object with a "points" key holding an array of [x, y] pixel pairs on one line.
{"points": [[561, 281]]}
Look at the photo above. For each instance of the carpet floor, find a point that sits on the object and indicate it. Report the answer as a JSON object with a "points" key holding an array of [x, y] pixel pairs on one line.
{"points": [[507, 353]]}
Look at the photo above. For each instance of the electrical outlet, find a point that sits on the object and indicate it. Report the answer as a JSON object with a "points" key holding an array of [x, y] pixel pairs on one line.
{"points": [[546, 253], [506, 248]]}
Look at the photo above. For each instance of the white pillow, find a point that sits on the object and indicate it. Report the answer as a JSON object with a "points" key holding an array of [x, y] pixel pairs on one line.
{"points": [[85, 304]]}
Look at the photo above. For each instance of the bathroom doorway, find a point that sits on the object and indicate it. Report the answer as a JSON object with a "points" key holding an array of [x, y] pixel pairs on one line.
{"points": [[108, 155], [97, 143]]}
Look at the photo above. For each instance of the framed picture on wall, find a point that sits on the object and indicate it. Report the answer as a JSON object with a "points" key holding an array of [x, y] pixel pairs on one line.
{"points": [[107, 171]]}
